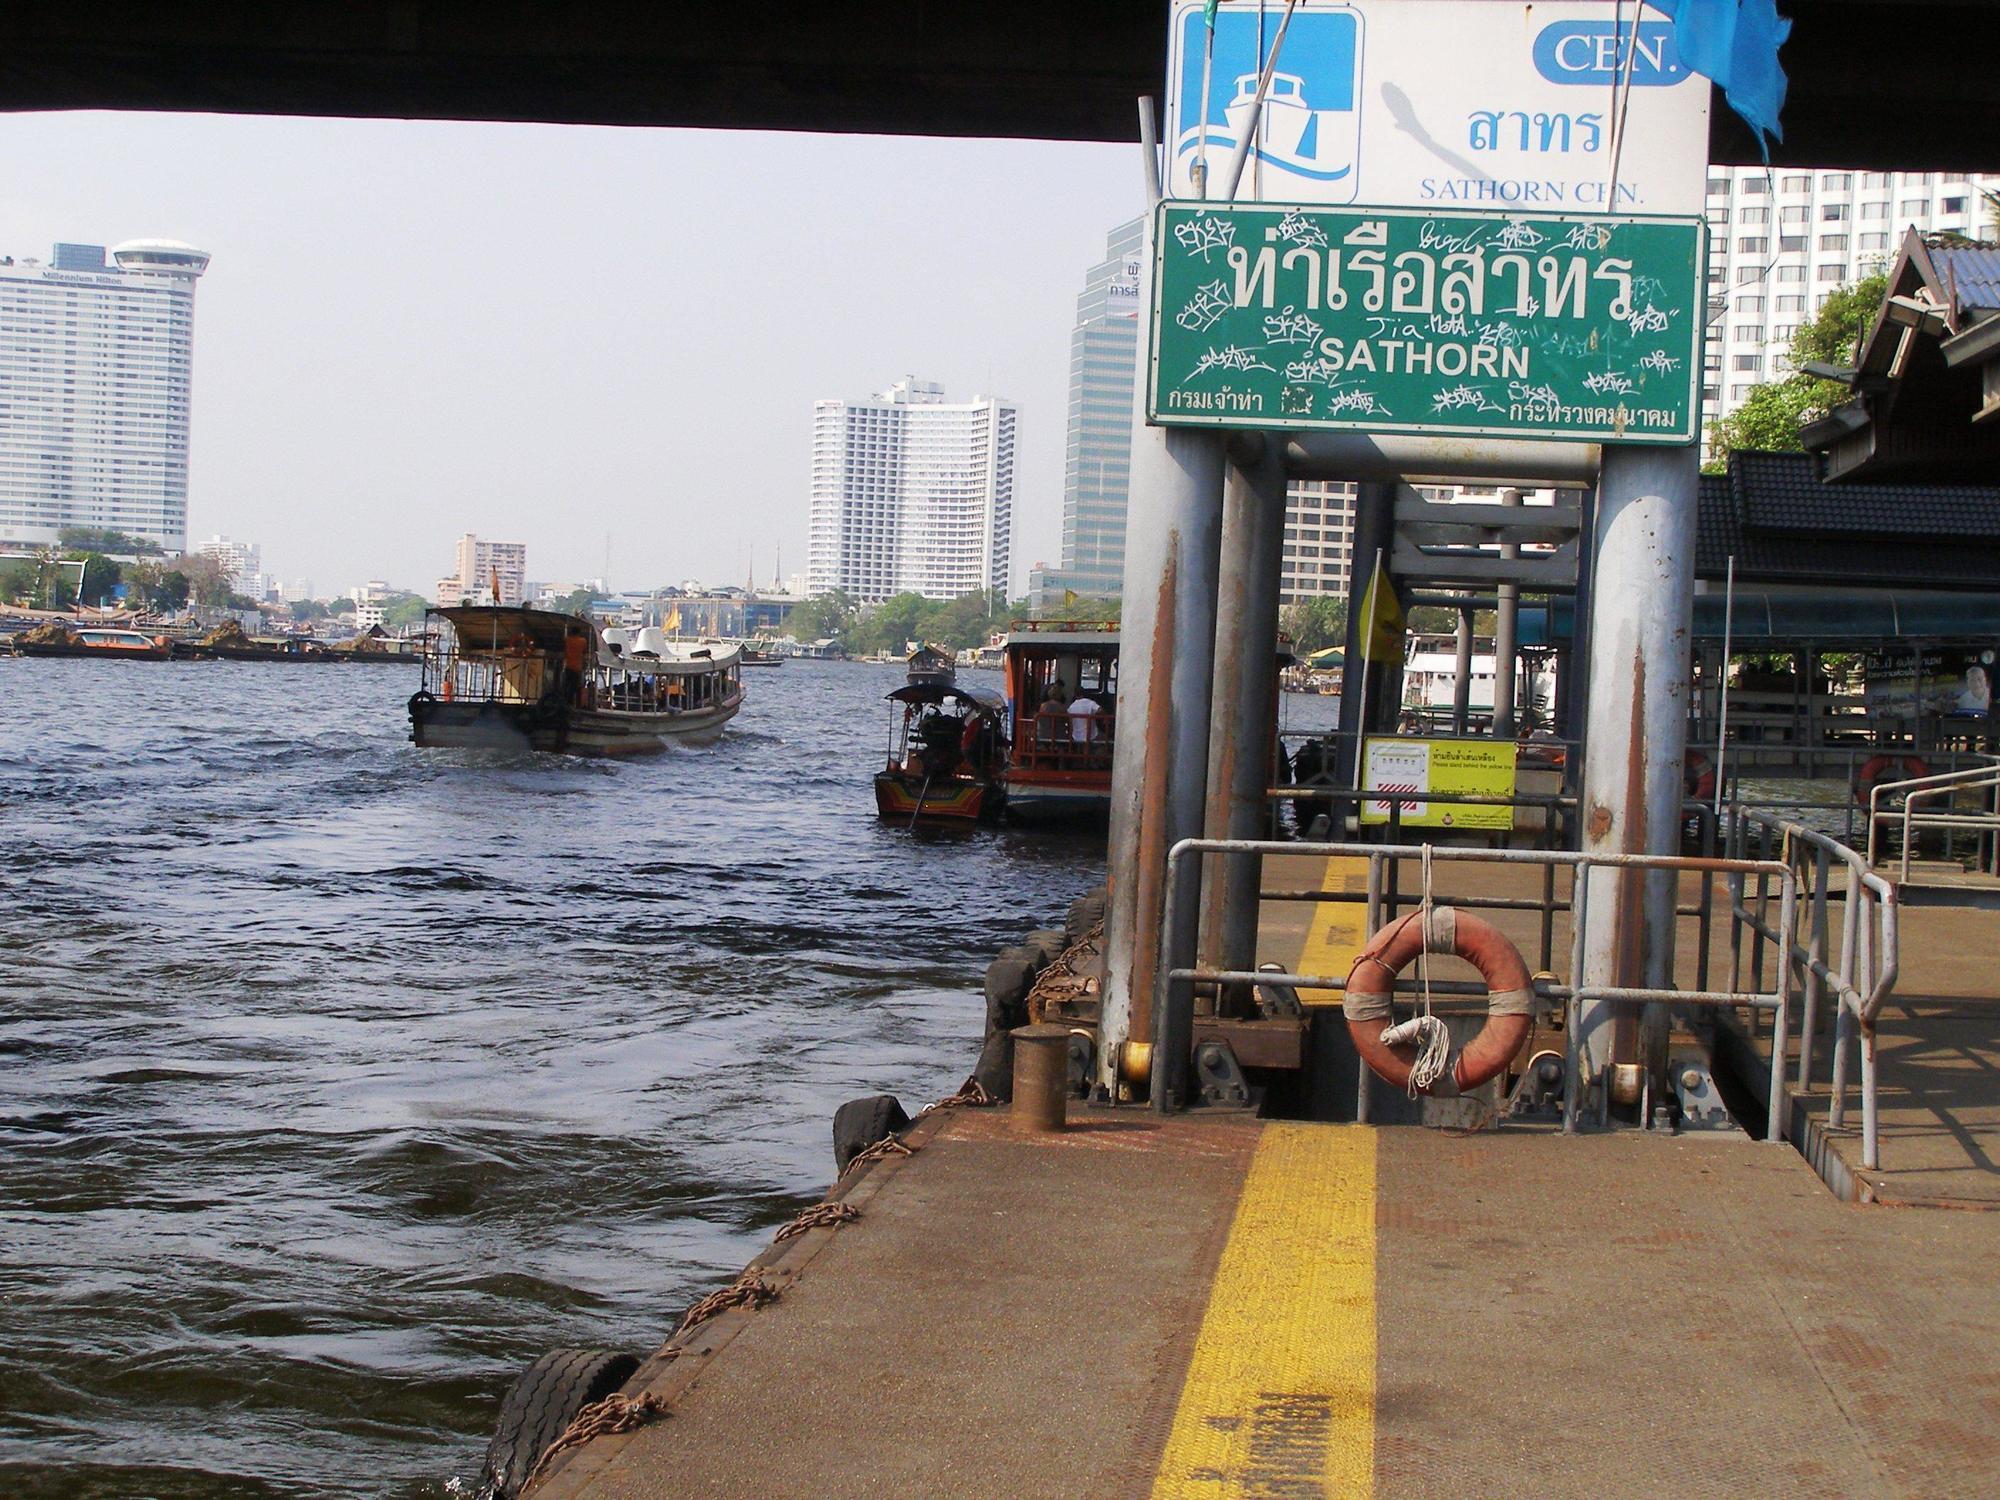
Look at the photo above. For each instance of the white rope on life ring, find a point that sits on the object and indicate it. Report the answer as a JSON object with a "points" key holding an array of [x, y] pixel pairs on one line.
{"points": [[1391, 1052]]}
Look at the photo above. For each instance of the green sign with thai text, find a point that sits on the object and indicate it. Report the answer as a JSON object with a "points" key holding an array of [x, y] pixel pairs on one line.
{"points": [[1391, 320]]}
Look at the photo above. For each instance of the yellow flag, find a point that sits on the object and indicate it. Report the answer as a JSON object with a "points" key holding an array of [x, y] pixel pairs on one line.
{"points": [[1069, 598], [1381, 618]]}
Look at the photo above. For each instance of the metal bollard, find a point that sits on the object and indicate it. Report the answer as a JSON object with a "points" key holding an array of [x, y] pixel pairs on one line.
{"points": [[1041, 1078]]}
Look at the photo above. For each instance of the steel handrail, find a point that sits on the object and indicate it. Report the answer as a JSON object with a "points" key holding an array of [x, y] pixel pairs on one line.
{"points": [[1866, 971], [1970, 776], [1173, 1009]]}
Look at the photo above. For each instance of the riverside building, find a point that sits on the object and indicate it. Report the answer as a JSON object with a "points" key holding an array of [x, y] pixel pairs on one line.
{"points": [[486, 573], [911, 494], [242, 563], [96, 364], [1781, 241]]}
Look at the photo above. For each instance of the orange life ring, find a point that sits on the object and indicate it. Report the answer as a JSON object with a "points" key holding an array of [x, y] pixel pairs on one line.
{"points": [[1698, 771], [1879, 768], [1510, 996]]}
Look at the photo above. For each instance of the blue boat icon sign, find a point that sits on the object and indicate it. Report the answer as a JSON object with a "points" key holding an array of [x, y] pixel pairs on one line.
{"points": [[1308, 141]]}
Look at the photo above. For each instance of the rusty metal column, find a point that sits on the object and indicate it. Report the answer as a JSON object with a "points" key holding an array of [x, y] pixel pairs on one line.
{"points": [[1166, 659], [1506, 634], [1245, 695], [1642, 608]]}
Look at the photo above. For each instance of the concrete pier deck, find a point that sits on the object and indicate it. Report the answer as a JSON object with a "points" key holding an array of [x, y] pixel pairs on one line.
{"points": [[1938, 1060], [1225, 1307], [1211, 1305]]}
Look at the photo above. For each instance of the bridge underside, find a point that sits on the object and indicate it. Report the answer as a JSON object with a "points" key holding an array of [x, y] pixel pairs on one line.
{"points": [[1874, 83]]}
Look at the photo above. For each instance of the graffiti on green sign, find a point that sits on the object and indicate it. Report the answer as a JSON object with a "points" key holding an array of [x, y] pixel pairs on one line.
{"points": [[1404, 320]]}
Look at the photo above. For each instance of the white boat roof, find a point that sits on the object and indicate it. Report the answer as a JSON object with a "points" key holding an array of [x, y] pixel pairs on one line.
{"points": [[676, 658]]}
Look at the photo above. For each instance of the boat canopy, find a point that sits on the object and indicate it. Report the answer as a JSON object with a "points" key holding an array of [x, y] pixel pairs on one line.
{"points": [[985, 700], [497, 625]]}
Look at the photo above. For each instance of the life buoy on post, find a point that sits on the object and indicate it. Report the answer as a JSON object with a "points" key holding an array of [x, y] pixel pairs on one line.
{"points": [[1698, 774], [1510, 996], [1880, 768]]}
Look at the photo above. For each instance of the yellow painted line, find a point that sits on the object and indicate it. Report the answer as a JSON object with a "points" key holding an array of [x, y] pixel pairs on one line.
{"points": [[1280, 1395], [1338, 928]]}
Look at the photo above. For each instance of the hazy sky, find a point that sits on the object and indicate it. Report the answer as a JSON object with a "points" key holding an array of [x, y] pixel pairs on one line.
{"points": [[546, 333]]}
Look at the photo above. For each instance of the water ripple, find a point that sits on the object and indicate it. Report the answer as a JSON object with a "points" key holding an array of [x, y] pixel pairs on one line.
{"points": [[338, 1080]]}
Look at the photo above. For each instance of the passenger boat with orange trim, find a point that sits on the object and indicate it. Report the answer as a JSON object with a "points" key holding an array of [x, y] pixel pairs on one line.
{"points": [[508, 677], [1062, 696]]}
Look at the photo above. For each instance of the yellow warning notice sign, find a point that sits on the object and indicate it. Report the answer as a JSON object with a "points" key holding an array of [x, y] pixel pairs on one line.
{"points": [[1411, 771]]}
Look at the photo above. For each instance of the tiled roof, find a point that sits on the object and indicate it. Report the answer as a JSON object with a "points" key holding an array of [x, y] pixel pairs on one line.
{"points": [[1782, 524], [1972, 272], [1782, 492]]}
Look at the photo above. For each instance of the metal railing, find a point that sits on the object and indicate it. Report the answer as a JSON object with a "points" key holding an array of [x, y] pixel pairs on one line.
{"points": [[1860, 980], [1916, 790], [1173, 1008]]}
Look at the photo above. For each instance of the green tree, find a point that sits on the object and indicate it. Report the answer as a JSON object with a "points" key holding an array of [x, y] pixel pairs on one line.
{"points": [[100, 575], [1314, 624], [340, 607], [207, 584], [831, 614], [157, 586], [1772, 414], [401, 611], [575, 602], [105, 539], [307, 609], [18, 580]]}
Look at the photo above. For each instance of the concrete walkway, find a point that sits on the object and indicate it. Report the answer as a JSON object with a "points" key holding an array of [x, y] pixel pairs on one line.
{"points": [[1223, 1307]]}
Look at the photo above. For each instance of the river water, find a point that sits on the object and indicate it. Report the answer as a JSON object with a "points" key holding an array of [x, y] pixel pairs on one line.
{"points": [[338, 1080]]}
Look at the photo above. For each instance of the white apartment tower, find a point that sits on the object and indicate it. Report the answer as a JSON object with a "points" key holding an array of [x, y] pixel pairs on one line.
{"points": [[96, 361], [1780, 241], [480, 564], [911, 493]]}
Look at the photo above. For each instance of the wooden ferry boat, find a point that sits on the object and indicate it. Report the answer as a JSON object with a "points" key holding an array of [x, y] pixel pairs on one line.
{"points": [[506, 677], [946, 748], [1062, 695]]}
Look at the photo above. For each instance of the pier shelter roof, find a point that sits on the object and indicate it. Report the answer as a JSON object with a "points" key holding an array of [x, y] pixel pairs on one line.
{"points": [[1873, 83], [1785, 525], [1926, 382]]}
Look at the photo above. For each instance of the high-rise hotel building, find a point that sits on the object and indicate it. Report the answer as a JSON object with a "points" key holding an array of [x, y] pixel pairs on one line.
{"points": [[1097, 460], [96, 359], [1781, 241], [911, 494]]}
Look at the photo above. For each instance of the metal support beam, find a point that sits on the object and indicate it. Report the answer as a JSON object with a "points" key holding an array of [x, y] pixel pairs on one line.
{"points": [[1642, 608], [1506, 618], [1419, 460], [1461, 683], [1242, 710], [1165, 665], [1374, 531]]}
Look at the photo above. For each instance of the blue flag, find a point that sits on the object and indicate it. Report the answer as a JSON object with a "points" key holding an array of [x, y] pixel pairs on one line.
{"points": [[1735, 42]]}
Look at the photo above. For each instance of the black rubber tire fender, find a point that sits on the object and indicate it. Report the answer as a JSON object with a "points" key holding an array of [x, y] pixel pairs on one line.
{"points": [[542, 1403]]}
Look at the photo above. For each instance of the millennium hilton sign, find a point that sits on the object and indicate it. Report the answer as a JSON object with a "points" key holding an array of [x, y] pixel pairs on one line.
{"points": [[1269, 315]]}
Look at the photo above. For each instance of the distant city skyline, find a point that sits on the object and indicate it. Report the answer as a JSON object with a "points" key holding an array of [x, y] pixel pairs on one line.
{"points": [[548, 333]]}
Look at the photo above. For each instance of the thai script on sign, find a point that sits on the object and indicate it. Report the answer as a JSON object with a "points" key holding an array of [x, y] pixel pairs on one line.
{"points": [[1393, 319]]}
